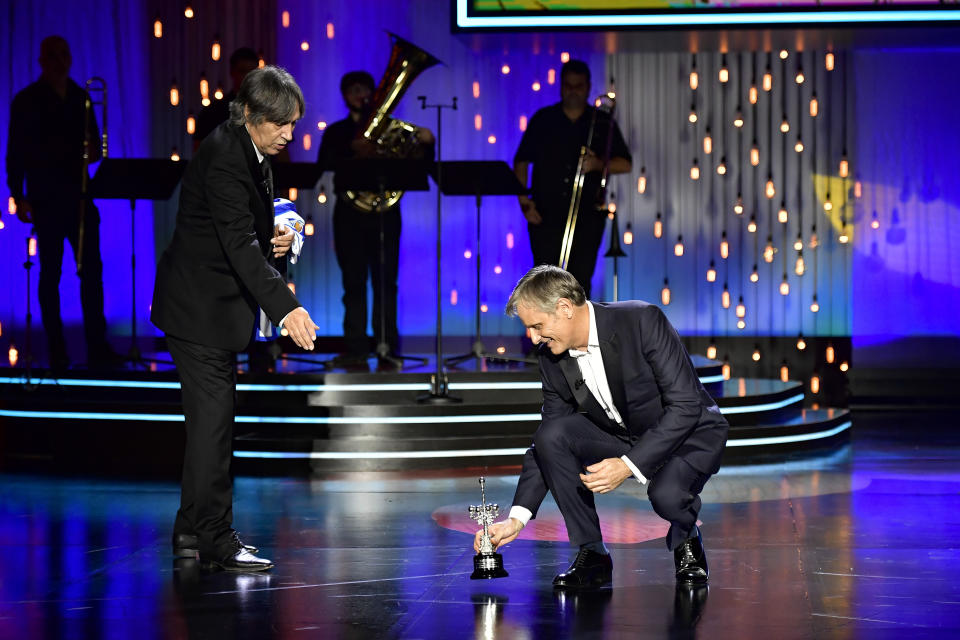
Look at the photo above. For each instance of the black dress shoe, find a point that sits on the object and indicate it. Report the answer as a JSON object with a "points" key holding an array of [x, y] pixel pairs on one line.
{"points": [[186, 545], [691, 560], [589, 570], [238, 560]]}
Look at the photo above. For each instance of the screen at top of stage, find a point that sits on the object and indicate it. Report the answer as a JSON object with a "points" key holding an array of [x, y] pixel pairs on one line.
{"points": [[499, 15]]}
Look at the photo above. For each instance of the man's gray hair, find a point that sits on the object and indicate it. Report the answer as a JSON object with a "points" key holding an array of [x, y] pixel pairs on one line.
{"points": [[542, 287], [271, 94]]}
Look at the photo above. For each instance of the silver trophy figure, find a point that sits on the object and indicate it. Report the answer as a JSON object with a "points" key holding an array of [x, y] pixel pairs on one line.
{"points": [[487, 563]]}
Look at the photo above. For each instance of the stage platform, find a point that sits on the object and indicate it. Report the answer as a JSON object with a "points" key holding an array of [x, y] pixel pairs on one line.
{"points": [[305, 418], [859, 543]]}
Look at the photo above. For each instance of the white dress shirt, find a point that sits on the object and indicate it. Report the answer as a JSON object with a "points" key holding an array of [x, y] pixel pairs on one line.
{"points": [[594, 376]]}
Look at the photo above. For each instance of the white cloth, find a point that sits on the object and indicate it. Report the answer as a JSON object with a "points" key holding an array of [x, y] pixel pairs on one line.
{"points": [[286, 216]]}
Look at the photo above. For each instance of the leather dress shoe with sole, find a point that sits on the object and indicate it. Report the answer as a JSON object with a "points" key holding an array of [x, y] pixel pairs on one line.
{"points": [[238, 560], [690, 560], [186, 545], [589, 570]]}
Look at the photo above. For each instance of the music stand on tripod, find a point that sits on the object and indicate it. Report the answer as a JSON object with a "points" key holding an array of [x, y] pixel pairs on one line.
{"points": [[478, 179], [381, 175], [136, 179]]}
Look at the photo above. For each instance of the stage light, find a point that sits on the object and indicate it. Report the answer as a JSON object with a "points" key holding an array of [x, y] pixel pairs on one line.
{"points": [[307, 141], [815, 384], [784, 372], [830, 353], [814, 106], [191, 124], [523, 123], [801, 343], [215, 50], [492, 139], [678, 248], [755, 275], [204, 87], [724, 246], [752, 225], [814, 306], [188, 12], [798, 243], [564, 57], [665, 293], [784, 286], [484, 308], [285, 19], [770, 190], [844, 366], [722, 167], [322, 125], [658, 227], [798, 147], [782, 215], [756, 354], [753, 94], [712, 350], [799, 268], [783, 54], [628, 235], [174, 94], [741, 308], [738, 205], [844, 166], [13, 355], [725, 297], [467, 253], [292, 194], [642, 181], [175, 155], [694, 76], [157, 28], [768, 250], [708, 143], [535, 86], [711, 273], [478, 122], [322, 196], [308, 228], [330, 31], [505, 69], [218, 93], [551, 76], [510, 238], [799, 77], [453, 297], [725, 370], [693, 114], [828, 61], [738, 119], [724, 74], [784, 124], [694, 170], [498, 269], [304, 46], [755, 154], [767, 79]]}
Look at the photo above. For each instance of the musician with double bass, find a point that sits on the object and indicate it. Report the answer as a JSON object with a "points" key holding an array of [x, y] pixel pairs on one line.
{"points": [[552, 144]]}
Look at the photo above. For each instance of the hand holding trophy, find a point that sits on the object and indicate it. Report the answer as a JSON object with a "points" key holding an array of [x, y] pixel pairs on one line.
{"points": [[487, 563]]}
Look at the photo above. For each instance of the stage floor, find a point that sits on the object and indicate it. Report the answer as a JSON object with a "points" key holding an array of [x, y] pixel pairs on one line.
{"points": [[861, 544]]}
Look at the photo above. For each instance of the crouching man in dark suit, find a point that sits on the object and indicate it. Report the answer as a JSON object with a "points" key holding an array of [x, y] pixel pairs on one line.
{"points": [[210, 282], [621, 398]]}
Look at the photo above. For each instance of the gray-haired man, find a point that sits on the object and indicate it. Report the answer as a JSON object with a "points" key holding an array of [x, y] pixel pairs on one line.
{"points": [[621, 398]]}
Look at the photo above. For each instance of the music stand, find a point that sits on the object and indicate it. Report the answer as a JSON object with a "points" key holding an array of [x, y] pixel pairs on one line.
{"points": [[478, 179], [135, 179], [380, 175]]}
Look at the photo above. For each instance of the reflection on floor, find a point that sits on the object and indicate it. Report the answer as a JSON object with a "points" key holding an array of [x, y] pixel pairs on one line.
{"points": [[862, 543]]}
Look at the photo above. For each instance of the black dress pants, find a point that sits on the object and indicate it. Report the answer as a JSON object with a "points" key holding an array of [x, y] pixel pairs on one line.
{"points": [[56, 222], [564, 446], [356, 240], [546, 240], [208, 389]]}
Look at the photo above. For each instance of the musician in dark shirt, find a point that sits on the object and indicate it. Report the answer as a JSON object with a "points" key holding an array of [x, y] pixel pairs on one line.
{"points": [[356, 233], [552, 143], [45, 146]]}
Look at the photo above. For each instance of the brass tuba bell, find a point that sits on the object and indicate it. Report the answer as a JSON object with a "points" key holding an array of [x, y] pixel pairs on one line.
{"points": [[393, 138]]}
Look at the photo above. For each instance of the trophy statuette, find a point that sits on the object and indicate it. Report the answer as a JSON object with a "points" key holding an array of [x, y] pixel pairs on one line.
{"points": [[487, 563]]}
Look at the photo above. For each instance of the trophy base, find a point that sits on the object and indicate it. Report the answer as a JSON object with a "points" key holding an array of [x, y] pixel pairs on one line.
{"points": [[487, 566]]}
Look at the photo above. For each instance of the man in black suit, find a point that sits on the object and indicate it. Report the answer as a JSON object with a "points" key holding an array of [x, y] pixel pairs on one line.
{"points": [[210, 281], [621, 398]]}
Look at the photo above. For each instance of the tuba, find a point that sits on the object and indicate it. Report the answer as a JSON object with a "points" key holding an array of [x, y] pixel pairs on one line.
{"points": [[393, 138]]}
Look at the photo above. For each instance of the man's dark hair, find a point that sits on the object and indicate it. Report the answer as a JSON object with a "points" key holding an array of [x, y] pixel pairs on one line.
{"points": [[271, 94], [356, 77], [244, 54], [578, 67]]}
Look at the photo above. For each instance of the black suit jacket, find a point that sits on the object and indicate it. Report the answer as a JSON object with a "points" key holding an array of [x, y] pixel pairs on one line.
{"points": [[654, 387], [216, 271]]}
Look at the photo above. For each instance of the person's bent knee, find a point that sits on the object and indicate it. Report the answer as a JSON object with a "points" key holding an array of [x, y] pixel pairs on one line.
{"points": [[552, 433], [668, 500]]}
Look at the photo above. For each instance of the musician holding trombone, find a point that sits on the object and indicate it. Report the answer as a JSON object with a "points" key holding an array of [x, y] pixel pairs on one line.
{"points": [[50, 120], [556, 144]]}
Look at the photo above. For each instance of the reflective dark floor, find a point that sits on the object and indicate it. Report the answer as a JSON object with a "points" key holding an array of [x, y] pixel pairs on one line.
{"points": [[859, 543]]}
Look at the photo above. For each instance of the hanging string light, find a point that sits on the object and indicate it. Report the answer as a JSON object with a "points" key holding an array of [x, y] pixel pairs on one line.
{"points": [[830, 353], [769, 190], [738, 205], [768, 250], [815, 383], [694, 76], [741, 308], [784, 286], [708, 142], [755, 275], [784, 372], [712, 349], [814, 305], [799, 267], [678, 248], [752, 225], [755, 153], [782, 215], [724, 246], [725, 369], [724, 74], [722, 167], [191, 124], [693, 114], [695, 170], [628, 235], [801, 343], [174, 94], [157, 28], [711, 272], [665, 292], [215, 49], [756, 353], [658, 226], [642, 181], [725, 297]]}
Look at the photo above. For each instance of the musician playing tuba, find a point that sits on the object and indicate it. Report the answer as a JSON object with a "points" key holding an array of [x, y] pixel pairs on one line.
{"points": [[552, 142], [357, 218]]}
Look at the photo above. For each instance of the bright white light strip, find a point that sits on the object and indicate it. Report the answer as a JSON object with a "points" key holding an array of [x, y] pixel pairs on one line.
{"points": [[801, 437], [172, 417], [476, 453], [385, 386], [700, 19], [769, 406]]}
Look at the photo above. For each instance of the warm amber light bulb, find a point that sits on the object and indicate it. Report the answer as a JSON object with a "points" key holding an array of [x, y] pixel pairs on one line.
{"points": [[768, 250], [505, 69], [665, 293], [658, 227], [285, 19], [782, 215], [711, 273], [798, 147], [784, 287], [694, 171], [725, 370], [204, 87], [157, 28], [175, 155], [844, 238], [535, 86], [844, 167], [752, 225], [712, 351], [799, 268], [642, 182], [492, 139], [523, 123], [551, 76], [678, 248], [814, 106], [738, 120], [801, 343], [722, 168], [815, 384], [784, 373], [844, 366], [13, 355], [322, 196], [814, 240], [828, 204], [770, 190], [753, 94], [798, 243], [307, 141], [724, 247], [292, 194], [478, 122], [828, 61], [215, 50], [708, 143], [754, 275], [783, 54], [738, 205], [725, 297], [724, 74], [875, 222], [857, 189], [830, 354], [784, 125], [814, 306], [564, 57], [191, 124], [693, 115], [756, 354], [755, 155], [308, 228], [694, 79], [799, 77], [628, 235], [174, 96], [218, 94], [188, 12], [767, 80], [741, 308]]}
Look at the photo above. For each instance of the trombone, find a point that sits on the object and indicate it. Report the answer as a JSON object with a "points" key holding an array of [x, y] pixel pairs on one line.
{"points": [[95, 85], [605, 103]]}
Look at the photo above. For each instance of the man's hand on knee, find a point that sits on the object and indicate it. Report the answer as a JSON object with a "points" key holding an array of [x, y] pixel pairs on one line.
{"points": [[606, 475]]}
